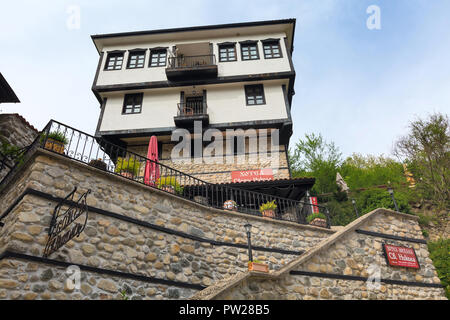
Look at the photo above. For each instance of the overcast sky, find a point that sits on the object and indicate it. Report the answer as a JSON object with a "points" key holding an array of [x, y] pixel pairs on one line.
{"points": [[357, 87]]}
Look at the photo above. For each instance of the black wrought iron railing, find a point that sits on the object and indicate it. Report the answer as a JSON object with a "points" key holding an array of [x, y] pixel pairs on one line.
{"points": [[193, 108], [180, 62], [97, 152]]}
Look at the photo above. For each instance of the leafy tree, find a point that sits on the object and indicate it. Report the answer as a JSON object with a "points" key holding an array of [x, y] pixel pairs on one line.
{"points": [[361, 171], [313, 156], [379, 198], [426, 150]]}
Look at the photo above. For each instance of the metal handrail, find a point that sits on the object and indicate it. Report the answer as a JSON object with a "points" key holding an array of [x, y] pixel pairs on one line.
{"points": [[117, 160], [192, 108], [181, 62]]}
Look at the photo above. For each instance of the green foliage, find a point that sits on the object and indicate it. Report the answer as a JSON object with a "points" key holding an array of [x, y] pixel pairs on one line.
{"points": [[440, 254], [123, 293], [313, 216], [367, 171], [313, 156], [341, 213], [55, 135], [270, 205], [129, 165], [10, 151], [170, 181], [426, 150], [379, 198]]}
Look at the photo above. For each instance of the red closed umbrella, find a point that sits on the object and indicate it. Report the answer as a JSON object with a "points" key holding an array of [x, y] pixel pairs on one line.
{"points": [[151, 167]]}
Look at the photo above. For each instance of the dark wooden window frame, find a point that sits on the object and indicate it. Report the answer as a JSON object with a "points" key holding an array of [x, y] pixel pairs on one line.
{"points": [[248, 43], [250, 87], [157, 51], [227, 45], [134, 52], [114, 54], [271, 43], [138, 99]]}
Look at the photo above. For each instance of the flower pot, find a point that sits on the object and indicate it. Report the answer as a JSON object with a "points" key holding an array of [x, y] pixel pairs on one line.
{"points": [[260, 267], [319, 222], [269, 213], [54, 145], [230, 205], [168, 188], [128, 175]]}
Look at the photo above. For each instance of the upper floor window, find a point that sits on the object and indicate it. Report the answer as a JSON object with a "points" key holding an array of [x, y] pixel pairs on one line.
{"points": [[132, 103], [272, 49], [249, 50], [114, 61], [254, 94], [136, 59], [158, 57], [227, 52]]}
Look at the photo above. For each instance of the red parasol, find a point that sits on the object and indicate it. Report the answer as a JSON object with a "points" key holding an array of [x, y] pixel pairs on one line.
{"points": [[151, 174]]}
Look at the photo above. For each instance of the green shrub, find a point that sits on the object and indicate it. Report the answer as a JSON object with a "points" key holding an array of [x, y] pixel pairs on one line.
{"points": [[129, 165], [270, 205], [55, 135], [313, 216], [379, 198], [170, 181], [440, 254]]}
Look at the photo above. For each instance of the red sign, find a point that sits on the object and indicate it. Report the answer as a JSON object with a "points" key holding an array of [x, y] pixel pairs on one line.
{"points": [[252, 175], [315, 208], [401, 256]]}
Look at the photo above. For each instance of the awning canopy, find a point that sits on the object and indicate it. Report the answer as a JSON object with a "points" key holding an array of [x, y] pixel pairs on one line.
{"points": [[294, 188], [6, 92]]}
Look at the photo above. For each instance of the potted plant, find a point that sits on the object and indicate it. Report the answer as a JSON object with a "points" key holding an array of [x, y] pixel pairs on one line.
{"points": [[317, 219], [257, 265], [268, 209], [99, 164], [128, 168], [169, 184], [55, 141], [230, 205]]}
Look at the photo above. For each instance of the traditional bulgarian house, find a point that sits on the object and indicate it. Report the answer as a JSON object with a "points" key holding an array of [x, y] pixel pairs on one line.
{"points": [[233, 82]]}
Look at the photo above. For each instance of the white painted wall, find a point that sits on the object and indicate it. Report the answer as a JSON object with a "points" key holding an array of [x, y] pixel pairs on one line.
{"points": [[226, 103], [225, 69]]}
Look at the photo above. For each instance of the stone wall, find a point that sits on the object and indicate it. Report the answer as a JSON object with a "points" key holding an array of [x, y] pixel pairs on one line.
{"points": [[16, 131], [351, 254], [120, 244]]}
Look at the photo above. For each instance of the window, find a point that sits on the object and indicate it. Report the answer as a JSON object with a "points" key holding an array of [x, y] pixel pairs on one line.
{"points": [[249, 51], [272, 49], [227, 52], [136, 59], [114, 61], [158, 58], [132, 103], [255, 94]]}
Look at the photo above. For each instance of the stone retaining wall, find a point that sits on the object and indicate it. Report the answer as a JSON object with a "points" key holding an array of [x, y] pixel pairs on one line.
{"points": [[353, 254], [118, 245]]}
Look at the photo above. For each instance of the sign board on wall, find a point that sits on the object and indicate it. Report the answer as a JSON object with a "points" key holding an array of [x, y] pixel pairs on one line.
{"points": [[252, 175], [314, 203], [401, 256]]}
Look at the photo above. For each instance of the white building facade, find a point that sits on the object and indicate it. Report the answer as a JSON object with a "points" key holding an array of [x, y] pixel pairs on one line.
{"points": [[225, 77]]}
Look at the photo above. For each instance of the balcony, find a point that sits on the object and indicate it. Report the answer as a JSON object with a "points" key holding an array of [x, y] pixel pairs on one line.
{"points": [[184, 67], [191, 111]]}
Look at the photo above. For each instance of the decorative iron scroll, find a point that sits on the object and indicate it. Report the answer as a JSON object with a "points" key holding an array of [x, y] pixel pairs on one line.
{"points": [[60, 222]]}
